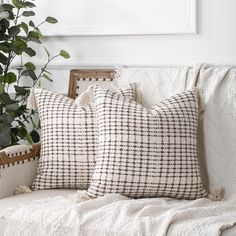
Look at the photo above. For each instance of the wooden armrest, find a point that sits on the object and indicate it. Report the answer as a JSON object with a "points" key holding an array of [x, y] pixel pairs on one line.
{"points": [[19, 153]]}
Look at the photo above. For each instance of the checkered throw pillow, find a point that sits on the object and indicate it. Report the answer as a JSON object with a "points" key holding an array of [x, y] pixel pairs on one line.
{"points": [[69, 140], [147, 153]]}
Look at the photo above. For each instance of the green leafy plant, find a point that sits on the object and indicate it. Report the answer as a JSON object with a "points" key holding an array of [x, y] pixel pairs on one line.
{"points": [[18, 36]]}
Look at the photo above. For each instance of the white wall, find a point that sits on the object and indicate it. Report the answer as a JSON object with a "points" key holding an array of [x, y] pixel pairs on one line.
{"points": [[215, 43]]}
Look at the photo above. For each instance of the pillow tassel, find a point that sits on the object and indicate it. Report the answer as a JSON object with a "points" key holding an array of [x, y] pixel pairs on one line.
{"points": [[81, 196], [31, 104], [84, 99], [22, 189], [215, 195]]}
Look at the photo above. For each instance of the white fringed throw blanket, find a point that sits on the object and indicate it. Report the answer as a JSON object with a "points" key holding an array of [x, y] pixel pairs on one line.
{"points": [[116, 215]]}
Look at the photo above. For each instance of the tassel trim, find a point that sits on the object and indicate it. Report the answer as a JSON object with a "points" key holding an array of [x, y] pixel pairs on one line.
{"points": [[85, 98], [118, 72], [22, 189], [31, 104], [81, 196], [215, 194]]}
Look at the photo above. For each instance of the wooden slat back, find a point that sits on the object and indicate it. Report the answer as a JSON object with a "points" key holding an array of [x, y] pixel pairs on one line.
{"points": [[95, 76]]}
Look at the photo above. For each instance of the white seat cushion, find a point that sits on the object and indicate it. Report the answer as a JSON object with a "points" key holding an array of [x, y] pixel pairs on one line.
{"points": [[108, 206], [24, 199]]}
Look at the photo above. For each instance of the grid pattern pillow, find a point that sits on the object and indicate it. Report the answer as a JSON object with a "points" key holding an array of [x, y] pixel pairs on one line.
{"points": [[69, 140], [147, 153]]}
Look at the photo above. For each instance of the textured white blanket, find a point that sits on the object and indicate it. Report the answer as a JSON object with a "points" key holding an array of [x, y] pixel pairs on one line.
{"points": [[120, 216]]}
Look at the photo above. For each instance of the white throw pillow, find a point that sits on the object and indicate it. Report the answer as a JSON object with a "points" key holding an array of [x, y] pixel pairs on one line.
{"points": [[69, 140], [147, 153]]}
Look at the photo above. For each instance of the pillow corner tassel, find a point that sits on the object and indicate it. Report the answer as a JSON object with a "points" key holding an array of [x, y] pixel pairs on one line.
{"points": [[22, 189], [82, 196], [215, 194], [31, 103], [84, 99]]}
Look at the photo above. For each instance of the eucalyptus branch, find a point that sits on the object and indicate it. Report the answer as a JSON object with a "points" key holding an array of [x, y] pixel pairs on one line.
{"points": [[22, 101], [45, 67], [14, 115]]}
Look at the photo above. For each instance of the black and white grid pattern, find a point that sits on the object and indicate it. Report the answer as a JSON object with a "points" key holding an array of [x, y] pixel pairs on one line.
{"points": [[69, 140], [146, 153]]}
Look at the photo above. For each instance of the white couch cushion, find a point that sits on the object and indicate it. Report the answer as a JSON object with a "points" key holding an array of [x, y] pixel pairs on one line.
{"points": [[117, 215], [25, 199], [14, 175]]}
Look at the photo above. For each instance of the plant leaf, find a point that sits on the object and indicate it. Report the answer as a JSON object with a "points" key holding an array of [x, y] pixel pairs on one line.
{"points": [[2, 86], [25, 73], [47, 52], [12, 107], [5, 98], [64, 54], [30, 66], [47, 77], [18, 4], [32, 75], [51, 20], [7, 7], [25, 27], [10, 78], [18, 46], [28, 13], [20, 90], [30, 52], [3, 59], [13, 31], [29, 138], [5, 137], [6, 119], [35, 36], [22, 132], [4, 47], [35, 136], [3, 37], [29, 4], [4, 24], [31, 23]]}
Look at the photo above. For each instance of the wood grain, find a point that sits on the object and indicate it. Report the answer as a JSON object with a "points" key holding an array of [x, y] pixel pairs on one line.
{"points": [[78, 75], [6, 160]]}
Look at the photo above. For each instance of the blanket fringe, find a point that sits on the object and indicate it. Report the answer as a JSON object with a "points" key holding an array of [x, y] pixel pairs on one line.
{"points": [[118, 72], [81, 196], [215, 194], [31, 104], [84, 99], [22, 189]]}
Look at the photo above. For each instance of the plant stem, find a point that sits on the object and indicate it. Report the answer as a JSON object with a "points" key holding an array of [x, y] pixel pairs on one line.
{"points": [[22, 101]]}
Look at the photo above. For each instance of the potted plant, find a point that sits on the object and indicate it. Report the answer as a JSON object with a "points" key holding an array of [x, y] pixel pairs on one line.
{"points": [[18, 34]]}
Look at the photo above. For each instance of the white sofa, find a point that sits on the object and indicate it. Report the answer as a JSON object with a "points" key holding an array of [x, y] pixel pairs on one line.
{"points": [[217, 136]]}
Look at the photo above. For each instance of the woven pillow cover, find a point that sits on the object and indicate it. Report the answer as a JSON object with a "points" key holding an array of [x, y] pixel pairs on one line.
{"points": [[69, 140], [147, 153]]}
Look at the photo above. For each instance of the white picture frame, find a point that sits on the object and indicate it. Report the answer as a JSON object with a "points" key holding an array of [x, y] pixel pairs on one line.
{"points": [[116, 17]]}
